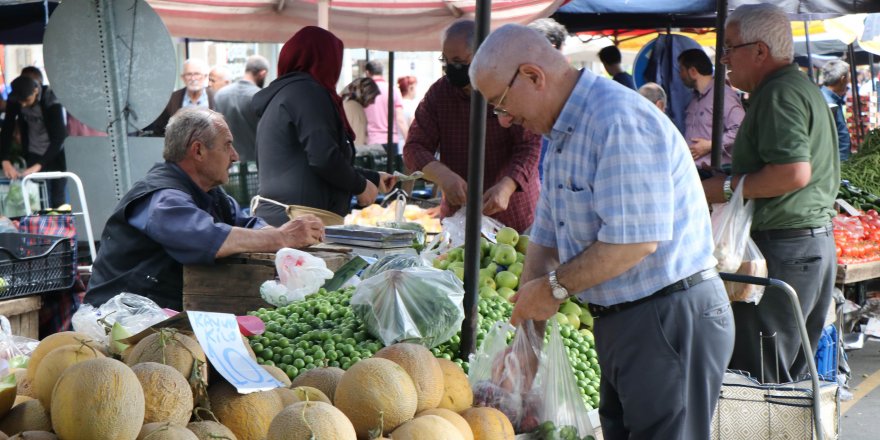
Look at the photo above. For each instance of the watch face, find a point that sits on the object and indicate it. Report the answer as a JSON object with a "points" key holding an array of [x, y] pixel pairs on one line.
{"points": [[560, 293]]}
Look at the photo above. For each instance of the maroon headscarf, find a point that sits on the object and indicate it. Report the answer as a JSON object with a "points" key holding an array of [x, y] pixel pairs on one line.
{"points": [[317, 52]]}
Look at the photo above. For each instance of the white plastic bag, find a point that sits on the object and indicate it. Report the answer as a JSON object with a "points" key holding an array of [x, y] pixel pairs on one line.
{"points": [[455, 227], [299, 274], [133, 312], [753, 264], [731, 229]]}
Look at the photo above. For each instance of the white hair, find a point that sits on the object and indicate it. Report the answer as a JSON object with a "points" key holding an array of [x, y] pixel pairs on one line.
{"points": [[199, 64], [512, 45], [768, 23]]}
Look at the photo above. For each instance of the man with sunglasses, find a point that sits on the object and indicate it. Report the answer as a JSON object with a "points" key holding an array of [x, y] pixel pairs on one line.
{"points": [[441, 125], [787, 145], [621, 223]]}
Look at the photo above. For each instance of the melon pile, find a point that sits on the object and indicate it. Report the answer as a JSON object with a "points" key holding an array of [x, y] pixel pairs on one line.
{"points": [[73, 388]]}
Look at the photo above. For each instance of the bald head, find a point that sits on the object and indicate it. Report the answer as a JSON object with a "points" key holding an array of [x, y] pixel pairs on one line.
{"points": [[509, 47], [219, 78]]}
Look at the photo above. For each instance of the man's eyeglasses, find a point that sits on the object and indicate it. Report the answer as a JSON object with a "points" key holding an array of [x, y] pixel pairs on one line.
{"points": [[193, 75], [726, 50], [498, 110]]}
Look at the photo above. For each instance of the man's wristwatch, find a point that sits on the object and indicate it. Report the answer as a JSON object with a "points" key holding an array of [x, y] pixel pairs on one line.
{"points": [[559, 292], [728, 192]]}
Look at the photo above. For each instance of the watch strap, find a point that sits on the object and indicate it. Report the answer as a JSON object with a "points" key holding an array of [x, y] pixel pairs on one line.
{"points": [[728, 191]]}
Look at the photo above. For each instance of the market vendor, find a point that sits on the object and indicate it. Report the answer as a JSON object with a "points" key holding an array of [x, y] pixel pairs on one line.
{"points": [[511, 180], [621, 223], [178, 214]]}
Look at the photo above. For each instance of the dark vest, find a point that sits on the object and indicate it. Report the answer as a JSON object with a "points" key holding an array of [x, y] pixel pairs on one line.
{"points": [[129, 261]]}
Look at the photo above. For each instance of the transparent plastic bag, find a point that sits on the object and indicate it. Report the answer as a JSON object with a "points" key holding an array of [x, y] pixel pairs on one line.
{"points": [[13, 200], [391, 262], [422, 305], [455, 226], [133, 312], [753, 264], [502, 375], [731, 229], [14, 350], [299, 274]]}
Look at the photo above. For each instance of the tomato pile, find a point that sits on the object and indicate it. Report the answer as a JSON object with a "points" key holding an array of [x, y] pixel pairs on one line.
{"points": [[857, 238]]}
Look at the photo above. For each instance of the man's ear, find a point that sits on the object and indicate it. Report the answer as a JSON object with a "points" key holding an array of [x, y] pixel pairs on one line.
{"points": [[534, 73], [197, 150]]}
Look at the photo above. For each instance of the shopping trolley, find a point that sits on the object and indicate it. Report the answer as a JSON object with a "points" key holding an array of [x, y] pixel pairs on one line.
{"points": [[751, 410]]}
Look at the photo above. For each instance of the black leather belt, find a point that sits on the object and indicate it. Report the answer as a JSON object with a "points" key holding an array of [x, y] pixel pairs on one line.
{"points": [[683, 284], [781, 234]]}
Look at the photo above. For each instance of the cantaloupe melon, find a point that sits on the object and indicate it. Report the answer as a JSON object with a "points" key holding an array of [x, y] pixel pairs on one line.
{"points": [[34, 435], [3, 436], [19, 398], [165, 431], [8, 386], [488, 424], [288, 397], [104, 392], [55, 363], [26, 416], [457, 393], [211, 430], [167, 395], [277, 373], [426, 428], [311, 420], [173, 349], [376, 392], [323, 378], [309, 394], [452, 417], [25, 387], [247, 415], [54, 341], [422, 368]]}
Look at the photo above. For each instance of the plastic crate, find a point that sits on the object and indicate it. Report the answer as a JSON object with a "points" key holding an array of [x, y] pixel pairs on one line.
{"points": [[244, 182], [826, 354], [32, 264]]}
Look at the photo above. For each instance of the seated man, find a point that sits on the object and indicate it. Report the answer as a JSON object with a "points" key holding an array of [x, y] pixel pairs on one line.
{"points": [[178, 214]]}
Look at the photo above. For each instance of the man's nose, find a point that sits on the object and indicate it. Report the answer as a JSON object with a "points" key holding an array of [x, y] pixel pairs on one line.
{"points": [[234, 155], [505, 121]]}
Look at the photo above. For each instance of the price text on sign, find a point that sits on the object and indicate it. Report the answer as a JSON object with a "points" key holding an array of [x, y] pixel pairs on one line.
{"points": [[219, 336]]}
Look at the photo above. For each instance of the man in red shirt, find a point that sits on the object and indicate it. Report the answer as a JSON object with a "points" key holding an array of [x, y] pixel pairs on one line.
{"points": [[441, 125]]}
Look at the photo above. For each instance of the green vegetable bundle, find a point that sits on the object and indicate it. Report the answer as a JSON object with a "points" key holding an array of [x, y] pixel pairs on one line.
{"points": [[863, 168]]}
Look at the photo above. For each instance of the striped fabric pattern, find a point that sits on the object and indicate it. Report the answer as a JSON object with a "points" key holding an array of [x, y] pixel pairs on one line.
{"points": [[618, 171]]}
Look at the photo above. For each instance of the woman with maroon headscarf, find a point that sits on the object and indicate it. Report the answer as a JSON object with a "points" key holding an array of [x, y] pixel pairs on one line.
{"points": [[305, 150]]}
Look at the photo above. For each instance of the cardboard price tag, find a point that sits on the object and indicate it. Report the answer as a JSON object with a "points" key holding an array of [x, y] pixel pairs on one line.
{"points": [[219, 336]]}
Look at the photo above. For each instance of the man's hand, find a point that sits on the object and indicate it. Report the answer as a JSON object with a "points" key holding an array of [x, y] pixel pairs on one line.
{"points": [[9, 170], [714, 189], [454, 188], [367, 197], [33, 169], [495, 200], [386, 182], [700, 147], [301, 232], [534, 301]]}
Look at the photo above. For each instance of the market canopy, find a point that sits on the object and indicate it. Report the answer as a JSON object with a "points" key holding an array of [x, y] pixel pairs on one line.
{"points": [[404, 25]]}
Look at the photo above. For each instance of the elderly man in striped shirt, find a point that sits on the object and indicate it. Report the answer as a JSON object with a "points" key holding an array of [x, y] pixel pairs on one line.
{"points": [[621, 223]]}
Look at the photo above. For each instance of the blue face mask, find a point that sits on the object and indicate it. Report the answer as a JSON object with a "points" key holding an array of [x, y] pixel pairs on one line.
{"points": [[457, 74]]}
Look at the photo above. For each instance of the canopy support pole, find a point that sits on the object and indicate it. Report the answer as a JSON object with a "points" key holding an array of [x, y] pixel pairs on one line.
{"points": [[390, 147], [323, 14], [857, 103], [476, 157], [718, 87], [809, 51]]}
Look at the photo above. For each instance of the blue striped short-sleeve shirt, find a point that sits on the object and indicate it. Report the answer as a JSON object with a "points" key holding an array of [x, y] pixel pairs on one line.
{"points": [[618, 171]]}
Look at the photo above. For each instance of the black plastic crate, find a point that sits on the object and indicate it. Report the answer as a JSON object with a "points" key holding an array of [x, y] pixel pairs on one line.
{"points": [[243, 183], [32, 264]]}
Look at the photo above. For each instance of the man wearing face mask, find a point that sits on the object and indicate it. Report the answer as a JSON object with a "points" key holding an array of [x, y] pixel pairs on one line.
{"points": [[441, 125]]}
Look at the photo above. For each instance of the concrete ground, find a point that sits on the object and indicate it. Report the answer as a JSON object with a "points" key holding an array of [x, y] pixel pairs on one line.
{"points": [[860, 417]]}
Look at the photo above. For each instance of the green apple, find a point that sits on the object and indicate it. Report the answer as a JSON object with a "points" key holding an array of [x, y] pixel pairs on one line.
{"points": [[454, 264], [506, 293], [570, 308], [486, 281], [491, 267], [4, 285], [520, 257], [440, 264], [516, 268], [485, 272], [586, 318], [493, 249], [507, 235], [485, 261], [573, 319], [484, 246], [588, 335], [456, 254], [522, 244], [561, 318], [459, 272], [505, 255], [487, 292], [506, 279]]}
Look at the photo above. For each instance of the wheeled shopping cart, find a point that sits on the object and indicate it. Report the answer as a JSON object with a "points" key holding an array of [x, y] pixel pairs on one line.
{"points": [[750, 410]]}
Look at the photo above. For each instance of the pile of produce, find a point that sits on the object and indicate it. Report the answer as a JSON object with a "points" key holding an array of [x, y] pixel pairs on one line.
{"points": [[857, 238], [859, 198], [375, 214], [863, 168]]}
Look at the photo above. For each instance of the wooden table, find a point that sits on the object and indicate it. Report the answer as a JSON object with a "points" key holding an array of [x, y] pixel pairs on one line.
{"points": [[854, 273], [232, 285], [23, 314]]}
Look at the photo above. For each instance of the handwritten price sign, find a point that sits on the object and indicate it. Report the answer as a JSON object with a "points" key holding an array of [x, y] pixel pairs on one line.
{"points": [[220, 338]]}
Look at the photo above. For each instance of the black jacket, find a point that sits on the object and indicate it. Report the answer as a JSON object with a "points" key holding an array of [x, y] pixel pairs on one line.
{"points": [[175, 103], [53, 118], [303, 153]]}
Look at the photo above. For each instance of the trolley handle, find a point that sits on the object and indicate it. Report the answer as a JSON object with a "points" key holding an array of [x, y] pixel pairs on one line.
{"points": [[745, 279]]}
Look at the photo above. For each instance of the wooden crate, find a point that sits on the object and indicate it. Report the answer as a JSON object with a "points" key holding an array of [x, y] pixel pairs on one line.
{"points": [[24, 315], [233, 284]]}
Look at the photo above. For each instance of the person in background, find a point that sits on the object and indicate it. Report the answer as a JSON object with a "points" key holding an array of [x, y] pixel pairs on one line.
{"points": [[178, 215], [407, 86], [695, 70], [510, 182], [654, 92], [193, 94], [786, 154], [219, 78], [835, 80], [377, 113], [305, 152], [622, 224], [234, 102], [610, 57], [40, 119], [358, 95]]}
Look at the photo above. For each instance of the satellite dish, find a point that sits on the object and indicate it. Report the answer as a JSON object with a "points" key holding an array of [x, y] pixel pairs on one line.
{"points": [[77, 46]]}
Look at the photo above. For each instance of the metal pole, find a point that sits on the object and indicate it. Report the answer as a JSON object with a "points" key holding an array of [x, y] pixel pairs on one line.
{"points": [[857, 103], [186, 48], [390, 147], [476, 157], [873, 73], [718, 87], [809, 51], [116, 130]]}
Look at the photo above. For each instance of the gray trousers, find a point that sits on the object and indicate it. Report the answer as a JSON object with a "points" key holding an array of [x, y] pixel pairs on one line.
{"points": [[662, 364], [809, 265]]}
